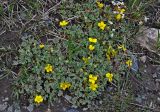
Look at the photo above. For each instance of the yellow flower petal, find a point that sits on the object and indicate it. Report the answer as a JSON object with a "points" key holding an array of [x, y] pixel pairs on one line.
{"points": [[91, 47], [122, 47], [86, 60], [118, 17], [101, 25], [92, 79], [129, 63], [93, 86], [65, 85], [38, 99], [109, 77], [93, 40], [48, 68], [100, 5], [41, 46], [63, 23]]}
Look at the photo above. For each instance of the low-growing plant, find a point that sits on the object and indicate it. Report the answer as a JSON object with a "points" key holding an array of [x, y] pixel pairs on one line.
{"points": [[90, 54]]}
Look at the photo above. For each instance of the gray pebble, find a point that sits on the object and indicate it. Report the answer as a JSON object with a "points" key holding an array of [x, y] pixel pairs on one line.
{"points": [[17, 110], [72, 110], [139, 99], [158, 100], [67, 97], [30, 108], [5, 99], [10, 109], [134, 67], [3, 107], [154, 75]]}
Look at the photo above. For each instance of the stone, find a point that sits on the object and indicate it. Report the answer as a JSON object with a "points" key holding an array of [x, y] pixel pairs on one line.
{"points": [[16, 106], [5, 91], [154, 75], [134, 67], [158, 100], [67, 97], [60, 93], [148, 38], [143, 58], [109, 89], [139, 99], [85, 109], [30, 108], [100, 102], [3, 106], [5, 99], [48, 110], [158, 80], [72, 110], [10, 108], [64, 109], [17, 110]]}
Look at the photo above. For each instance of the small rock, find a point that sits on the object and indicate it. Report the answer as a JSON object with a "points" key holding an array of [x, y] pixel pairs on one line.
{"points": [[158, 80], [60, 93], [48, 110], [5, 91], [144, 97], [134, 67], [109, 89], [85, 109], [30, 108], [148, 38], [157, 86], [100, 102], [67, 97], [158, 100], [64, 109], [154, 75], [10, 109], [151, 104], [3, 107], [5, 99], [16, 107], [17, 110], [72, 110], [143, 59], [139, 99]]}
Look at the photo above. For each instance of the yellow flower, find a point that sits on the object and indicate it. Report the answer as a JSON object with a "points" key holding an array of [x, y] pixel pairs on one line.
{"points": [[122, 11], [100, 5], [86, 59], [122, 47], [108, 57], [109, 77], [92, 79], [48, 68], [38, 99], [129, 63], [65, 85], [118, 17], [91, 47], [110, 53], [93, 40], [102, 25], [63, 23], [93, 86], [41, 46]]}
